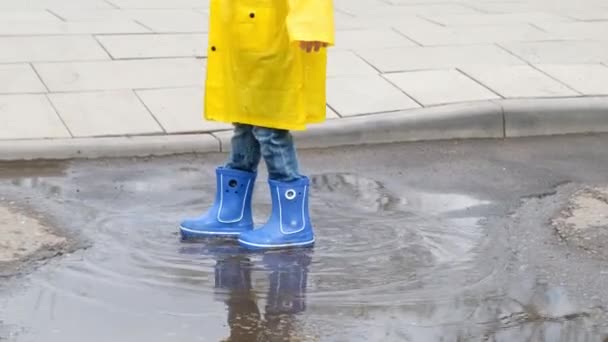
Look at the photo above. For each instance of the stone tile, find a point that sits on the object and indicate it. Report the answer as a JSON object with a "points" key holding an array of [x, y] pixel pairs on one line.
{"points": [[156, 4], [444, 57], [44, 4], [88, 14], [104, 113], [50, 49], [33, 16], [591, 79], [331, 114], [590, 14], [158, 20], [155, 45], [127, 74], [365, 94], [179, 110], [168, 21], [346, 63], [518, 81], [470, 35], [440, 87], [29, 117], [562, 52], [65, 28], [578, 31], [19, 78], [481, 19], [370, 39]]}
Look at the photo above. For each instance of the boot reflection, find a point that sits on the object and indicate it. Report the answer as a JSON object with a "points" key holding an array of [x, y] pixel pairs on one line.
{"points": [[288, 273], [288, 280]]}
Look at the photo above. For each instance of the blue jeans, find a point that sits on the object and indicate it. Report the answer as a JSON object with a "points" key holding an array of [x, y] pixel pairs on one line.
{"points": [[251, 143]]}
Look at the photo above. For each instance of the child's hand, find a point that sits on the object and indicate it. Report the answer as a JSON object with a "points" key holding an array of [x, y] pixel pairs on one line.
{"points": [[312, 46]]}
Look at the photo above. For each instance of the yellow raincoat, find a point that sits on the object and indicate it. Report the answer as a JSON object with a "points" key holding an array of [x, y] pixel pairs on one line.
{"points": [[256, 72]]}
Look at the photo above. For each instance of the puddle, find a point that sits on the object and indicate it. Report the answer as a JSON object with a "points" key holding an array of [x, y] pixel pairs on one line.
{"points": [[391, 264]]}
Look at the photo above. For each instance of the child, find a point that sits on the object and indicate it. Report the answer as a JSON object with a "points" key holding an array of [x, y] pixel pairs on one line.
{"points": [[266, 73]]}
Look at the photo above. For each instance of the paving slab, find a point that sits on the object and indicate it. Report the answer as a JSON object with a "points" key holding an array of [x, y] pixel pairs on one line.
{"points": [[29, 117], [518, 81], [481, 19], [173, 20], [44, 4], [104, 113], [159, 4], [589, 79], [32, 16], [365, 94], [50, 49], [595, 31], [156, 20], [126, 74], [442, 57], [560, 52], [64, 28], [331, 114], [19, 78], [440, 87], [179, 110], [155, 46], [470, 35], [370, 39], [347, 63]]}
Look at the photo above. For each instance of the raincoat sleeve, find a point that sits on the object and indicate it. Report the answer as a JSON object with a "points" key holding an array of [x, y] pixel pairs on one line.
{"points": [[311, 20]]}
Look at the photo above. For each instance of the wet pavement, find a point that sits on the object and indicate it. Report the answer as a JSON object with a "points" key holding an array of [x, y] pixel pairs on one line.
{"points": [[443, 241]]}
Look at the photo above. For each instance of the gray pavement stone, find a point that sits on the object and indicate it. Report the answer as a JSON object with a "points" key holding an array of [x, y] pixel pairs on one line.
{"points": [[179, 110], [591, 79], [440, 57], [592, 14], [346, 63], [331, 114], [173, 21], [467, 120], [32, 16], [63, 28], [470, 35], [518, 81], [44, 4], [155, 46], [560, 52], [108, 147], [159, 4], [555, 116], [126, 74], [104, 113], [157, 20], [365, 94], [29, 117], [578, 31], [440, 87], [370, 39], [50, 49], [19, 78], [481, 19]]}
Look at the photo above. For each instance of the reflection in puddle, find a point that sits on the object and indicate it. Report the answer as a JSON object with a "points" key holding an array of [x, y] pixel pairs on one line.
{"points": [[391, 264]]}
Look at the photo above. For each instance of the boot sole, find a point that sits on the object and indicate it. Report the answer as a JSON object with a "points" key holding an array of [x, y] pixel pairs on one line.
{"points": [[285, 245], [208, 233]]}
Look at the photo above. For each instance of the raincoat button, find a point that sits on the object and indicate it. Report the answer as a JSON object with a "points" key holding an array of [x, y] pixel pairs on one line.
{"points": [[213, 48], [251, 15]]}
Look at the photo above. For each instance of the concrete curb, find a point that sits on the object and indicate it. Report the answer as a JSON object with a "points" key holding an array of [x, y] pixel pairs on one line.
{"points": [[473, 120]]}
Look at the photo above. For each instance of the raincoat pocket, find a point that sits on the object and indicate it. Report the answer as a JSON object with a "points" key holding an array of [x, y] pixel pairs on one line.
{"points": [[256, 29]]}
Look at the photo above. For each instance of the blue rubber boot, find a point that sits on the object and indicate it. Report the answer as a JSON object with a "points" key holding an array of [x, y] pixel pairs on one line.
{"points": [[289, 224], [230, 215]]}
